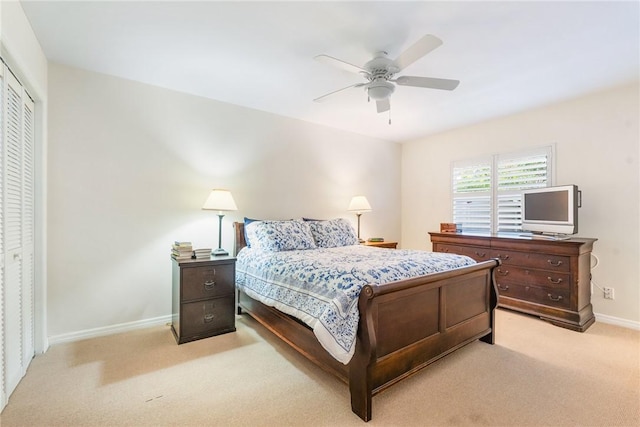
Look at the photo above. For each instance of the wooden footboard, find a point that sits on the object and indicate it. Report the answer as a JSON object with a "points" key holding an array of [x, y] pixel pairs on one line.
{"points": [[404, 326]]}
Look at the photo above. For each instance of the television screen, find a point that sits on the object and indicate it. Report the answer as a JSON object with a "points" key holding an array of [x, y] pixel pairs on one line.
{"points": [[549, 206]]}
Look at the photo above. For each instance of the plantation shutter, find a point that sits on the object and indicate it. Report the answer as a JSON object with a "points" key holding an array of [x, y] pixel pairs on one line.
{"points": [[514, 174], [472, 195], [487, 193]]}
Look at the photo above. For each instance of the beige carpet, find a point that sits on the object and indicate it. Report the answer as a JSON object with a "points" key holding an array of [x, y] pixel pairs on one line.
{"points": [[536, 375]]}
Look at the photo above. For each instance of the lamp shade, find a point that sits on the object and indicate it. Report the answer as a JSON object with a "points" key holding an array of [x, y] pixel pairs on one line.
{"points": [[359, 204], [220, 200]]}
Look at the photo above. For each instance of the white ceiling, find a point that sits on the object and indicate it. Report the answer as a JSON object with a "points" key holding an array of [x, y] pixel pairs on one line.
{"points": [[508, 56]]}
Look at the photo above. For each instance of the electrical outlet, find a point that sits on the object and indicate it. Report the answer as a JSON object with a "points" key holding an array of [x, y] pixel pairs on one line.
{"points": [[608, 293]]}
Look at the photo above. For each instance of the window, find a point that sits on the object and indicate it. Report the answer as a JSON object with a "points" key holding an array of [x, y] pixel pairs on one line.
{"points": [[487, 192]]}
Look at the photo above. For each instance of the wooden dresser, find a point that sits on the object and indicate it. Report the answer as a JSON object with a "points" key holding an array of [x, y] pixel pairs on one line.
{"points": [[203, 302], [547, 278]]}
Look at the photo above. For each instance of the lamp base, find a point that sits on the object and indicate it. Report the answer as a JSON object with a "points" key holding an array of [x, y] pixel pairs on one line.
{"points": [[219, 252]]}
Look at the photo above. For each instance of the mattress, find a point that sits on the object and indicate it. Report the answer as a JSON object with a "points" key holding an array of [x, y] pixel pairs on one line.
{"points": [[321, 286]]}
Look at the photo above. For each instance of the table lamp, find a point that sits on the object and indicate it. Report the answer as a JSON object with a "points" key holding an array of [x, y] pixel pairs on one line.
{"points": [[220, 200], [359, 204]]}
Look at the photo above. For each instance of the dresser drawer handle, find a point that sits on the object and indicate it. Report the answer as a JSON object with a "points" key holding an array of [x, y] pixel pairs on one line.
{"points": [[209, 285], [503, 257], [481, 255], [552, 298], [555, 264], [555, 282], [208, 318], [503, 288], [503, 273]]}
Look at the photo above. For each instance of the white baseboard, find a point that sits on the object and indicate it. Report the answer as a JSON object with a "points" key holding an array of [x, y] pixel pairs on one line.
{"points": [[617, 321], [163, 320], [108, 330]]}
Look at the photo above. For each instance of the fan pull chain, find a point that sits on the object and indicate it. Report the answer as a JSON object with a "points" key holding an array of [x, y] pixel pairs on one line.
{"points": [[389, 116]]}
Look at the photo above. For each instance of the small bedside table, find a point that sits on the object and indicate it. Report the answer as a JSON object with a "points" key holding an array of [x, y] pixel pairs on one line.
{"points": [[389, 245], [203, 300]]}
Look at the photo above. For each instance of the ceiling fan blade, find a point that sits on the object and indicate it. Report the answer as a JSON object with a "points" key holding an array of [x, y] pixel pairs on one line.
{"points": [[428, 82], [340, 64], [383, 105], [417, 50], [323, 97]]}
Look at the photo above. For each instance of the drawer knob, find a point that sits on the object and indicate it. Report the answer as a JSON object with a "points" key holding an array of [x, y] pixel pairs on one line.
{"points": [[209, 285], [555, 264], [503, 257], [208, 318], [552, 298], [503, 288], [555, 282], [503, 272]]}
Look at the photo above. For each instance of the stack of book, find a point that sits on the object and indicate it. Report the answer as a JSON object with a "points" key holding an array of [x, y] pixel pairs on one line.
{"points": [[182, 250], [202, 253]]}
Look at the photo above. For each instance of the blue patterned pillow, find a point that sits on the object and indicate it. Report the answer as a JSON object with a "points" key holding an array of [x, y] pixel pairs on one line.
{"points": [[333, 233], [278, 236]]}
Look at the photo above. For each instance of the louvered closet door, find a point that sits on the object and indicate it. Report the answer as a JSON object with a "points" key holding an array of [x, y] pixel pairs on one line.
{"points": [[18, 232], [28, 232], [3, 386]]}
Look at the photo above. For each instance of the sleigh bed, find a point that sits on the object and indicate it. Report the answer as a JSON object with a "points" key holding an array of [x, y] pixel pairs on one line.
{"points": [[403, 326]]}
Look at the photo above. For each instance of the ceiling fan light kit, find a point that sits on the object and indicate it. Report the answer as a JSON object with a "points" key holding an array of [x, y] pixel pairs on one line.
{"points": [[380, 89], [380, 71]]}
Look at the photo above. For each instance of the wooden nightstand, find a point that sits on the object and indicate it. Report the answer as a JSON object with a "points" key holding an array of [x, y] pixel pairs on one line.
{"points": [[390, 245], [203, 303]]}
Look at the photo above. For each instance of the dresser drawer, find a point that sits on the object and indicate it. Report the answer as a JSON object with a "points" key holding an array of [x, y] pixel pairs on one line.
{"points": [[216, 314], [477, 253], [552, 280], [207, 281], [533, 260], [560, 298]]}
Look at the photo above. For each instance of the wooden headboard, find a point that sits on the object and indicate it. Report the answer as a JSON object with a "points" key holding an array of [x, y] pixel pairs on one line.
{"points": [[239, 241]]}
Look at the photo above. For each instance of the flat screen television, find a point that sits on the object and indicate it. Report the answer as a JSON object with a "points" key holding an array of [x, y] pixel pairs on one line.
{"points": [[551, 210]]}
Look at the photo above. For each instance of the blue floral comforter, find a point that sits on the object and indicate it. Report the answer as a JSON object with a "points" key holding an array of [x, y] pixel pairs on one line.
{"points": [[321, 286]]}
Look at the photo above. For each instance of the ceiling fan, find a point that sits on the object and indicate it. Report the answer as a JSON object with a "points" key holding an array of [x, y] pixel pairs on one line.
{"points": [[380, 72]]}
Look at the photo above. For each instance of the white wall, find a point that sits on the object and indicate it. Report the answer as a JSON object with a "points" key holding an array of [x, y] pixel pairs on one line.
{"points": [[597, 143], [131, 165]]}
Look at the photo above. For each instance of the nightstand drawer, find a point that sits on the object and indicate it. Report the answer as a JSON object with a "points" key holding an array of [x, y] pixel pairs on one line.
{"points": [[214, 315], [207, 281]]}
